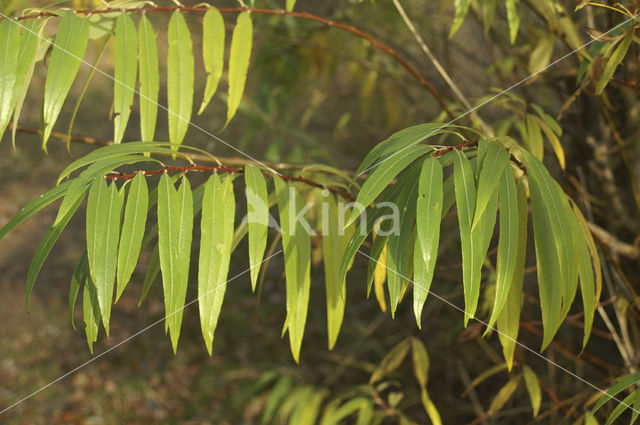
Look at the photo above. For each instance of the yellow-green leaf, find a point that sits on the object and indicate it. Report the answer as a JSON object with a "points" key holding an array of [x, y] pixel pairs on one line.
{"points": [[391, 361], [553, 141], [534, 137], [149, 79], [489, 178], [428, 213], [614, 60], [126, 68], [541, 54], [420, 362], [513, 19], [533, 388], [212, 52], [257, 217], [133, 226], [180, 69], [461, 9], [216, 232], [69, 47], [239, 62], [9, 51], [290, 5], [91, 312], [504, 394]]}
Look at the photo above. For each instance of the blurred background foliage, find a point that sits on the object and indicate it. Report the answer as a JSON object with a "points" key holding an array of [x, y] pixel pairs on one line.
{"points": [[318, 94]]}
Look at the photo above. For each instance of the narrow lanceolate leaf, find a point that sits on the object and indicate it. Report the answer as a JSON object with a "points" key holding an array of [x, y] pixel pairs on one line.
{"points": [[104, 210], [149, 79], [493, 165], [69, 47], [216, 230], [513, 19], [504, 394], [47, 242], [212, 52], [9, 51], [621, 385], [334, 243], [133, 226], [533, 388], [79, 275], [175, 225], [126, 54], [180, 64], [296, 243], [290, 5], [257, 217], [239, 62], [585, 274], [420, 362], [614, 60], [91, 312], [509, 319], [391, 361], [507, 244], [461, 9], [382, 175], [428, 213]]}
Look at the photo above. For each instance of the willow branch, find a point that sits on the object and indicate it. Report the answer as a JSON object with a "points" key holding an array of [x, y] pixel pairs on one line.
{"points": [[298, 15]]}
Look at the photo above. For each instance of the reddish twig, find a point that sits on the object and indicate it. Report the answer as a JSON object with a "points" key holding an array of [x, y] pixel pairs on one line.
{"points": [[299, 15]]}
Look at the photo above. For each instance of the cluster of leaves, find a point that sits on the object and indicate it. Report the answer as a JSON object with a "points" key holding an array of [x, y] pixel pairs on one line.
{"points": [[135, 64]]}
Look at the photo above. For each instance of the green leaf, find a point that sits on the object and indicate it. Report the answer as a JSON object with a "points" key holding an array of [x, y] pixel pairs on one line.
{"points": [[149, 79], [133, 226], [553, 141], [534, 137], [614, 60], [47, 242], [91, 312], [258, 218], [216, 230], [461, 9], [391, 361], [549, 120], [34, 206], [533, 388], [513, 19], [125, 59], [79, 275], [420, 362], [279, 391], [290, 5], [180, 77], [9, 51], [296, 242], [239, 62], [504, 394], [620, 408], [382, 175], [334, 243], [212, 52], [622, 384], [175, 225], [541, 54], [69, 47], [104, 211], [430, 408], [509, 319], [507, 244], [497, 159], [428, 216], [153, 269]]}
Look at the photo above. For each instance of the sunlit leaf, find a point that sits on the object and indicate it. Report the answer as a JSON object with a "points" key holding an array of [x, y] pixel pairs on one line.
{"points": [[149, 79], [216, 230], [290, 5], [461, 9], [513, 19], [10, 49], [212, 52], [489, 178], [133, 227], [126, 68], [257, 217], [180, 77], [614, 60], [380, 276], [533, 388], [541, 54], [239, 62], [69, 47]]}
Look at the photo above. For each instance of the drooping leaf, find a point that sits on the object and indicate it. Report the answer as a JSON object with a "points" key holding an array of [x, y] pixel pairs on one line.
{"points": [[614, 60], [258, 218], [47, 242], [507, 244], [290, 5], [391, 361], [420, 362], [380, 276], [79, 275], [509, 319], [126, 68], [175, 224], [461, 9], [541, 54], [239, 62], [153, 269], [180, 78], [296, 242], [69, 47], [534, 137], [504, 394], [620, 386], [149, 79], [212, 52], [104, 211], [382, 175], [9, 51], [91, 312], [513, 19], [554, 141], [489, 178], [533, 388], [133, 227], [428, 216], [216, 230]]}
